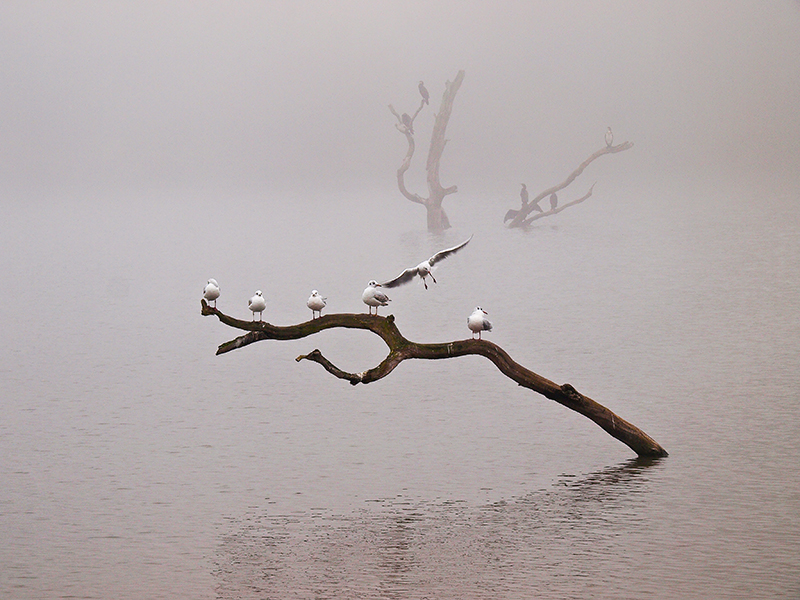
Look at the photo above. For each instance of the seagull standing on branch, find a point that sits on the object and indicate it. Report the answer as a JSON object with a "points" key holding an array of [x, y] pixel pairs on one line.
{"points": [[424, 268], [316, 303], [211, 291], [374, 297], [609, 138], [426, 97], [478, 322], [257, 304]]}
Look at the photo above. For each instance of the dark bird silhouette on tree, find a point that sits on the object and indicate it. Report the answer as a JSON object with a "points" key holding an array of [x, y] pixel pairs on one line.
{"points": [[426, 97], [401, 349], [523, 196], [437, 217], [553, 201], [408, 122]]}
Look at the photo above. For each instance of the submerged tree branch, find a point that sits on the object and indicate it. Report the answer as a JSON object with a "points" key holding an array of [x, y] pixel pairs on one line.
{"points": [[401, 349], [521, 215], [558, 209]]}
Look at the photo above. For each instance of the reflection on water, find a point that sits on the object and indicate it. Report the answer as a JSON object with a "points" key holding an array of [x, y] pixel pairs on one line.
{"points": [[401, 548], [136, 464]]}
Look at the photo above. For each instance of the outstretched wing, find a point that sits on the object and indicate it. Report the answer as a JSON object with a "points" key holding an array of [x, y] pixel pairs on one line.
{"points": [[510, 215], [445, 253], [404, 277]]}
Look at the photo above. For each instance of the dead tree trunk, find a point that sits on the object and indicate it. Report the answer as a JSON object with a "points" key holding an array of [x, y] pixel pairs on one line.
{"points": [[520, 217], [401, 349], [437, 218]]}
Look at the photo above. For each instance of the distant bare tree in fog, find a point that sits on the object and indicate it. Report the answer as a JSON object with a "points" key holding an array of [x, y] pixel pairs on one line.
{"points": [[519, 217], [437, 218], [401, 349]]}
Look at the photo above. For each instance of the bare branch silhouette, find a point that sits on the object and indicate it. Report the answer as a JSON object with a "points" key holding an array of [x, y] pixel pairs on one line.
{"points": [[520, 218]]}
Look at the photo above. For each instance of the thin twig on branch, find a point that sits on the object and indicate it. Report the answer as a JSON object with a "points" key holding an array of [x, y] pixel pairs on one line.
{"points": [[521, 216], [401, 349]]}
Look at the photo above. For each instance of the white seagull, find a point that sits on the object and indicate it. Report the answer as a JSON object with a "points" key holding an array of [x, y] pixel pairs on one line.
{"points": [[211, 291], [257, 304], [374, 297], [424, 268], [478, 322], [609, 138], [316, 303]]}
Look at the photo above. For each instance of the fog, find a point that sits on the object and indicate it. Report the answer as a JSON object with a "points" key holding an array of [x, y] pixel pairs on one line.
{"points": [[280, 96]]}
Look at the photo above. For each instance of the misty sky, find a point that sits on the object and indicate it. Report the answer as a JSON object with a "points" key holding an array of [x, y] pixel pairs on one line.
{"points": [[294, 95]]}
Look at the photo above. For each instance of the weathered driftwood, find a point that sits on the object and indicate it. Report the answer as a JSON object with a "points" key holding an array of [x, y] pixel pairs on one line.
{"points": [[521, 218], [437, 218], [401, 349]]}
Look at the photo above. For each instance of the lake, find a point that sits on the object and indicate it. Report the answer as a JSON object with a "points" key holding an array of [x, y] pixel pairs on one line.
{"points": [[137, 464]]}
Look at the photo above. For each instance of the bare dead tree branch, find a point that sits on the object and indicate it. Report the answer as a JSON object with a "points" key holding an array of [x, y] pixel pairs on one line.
{"points": [[521, 219], [437, 218], [404, 166], [558, 209], [401, 349]]}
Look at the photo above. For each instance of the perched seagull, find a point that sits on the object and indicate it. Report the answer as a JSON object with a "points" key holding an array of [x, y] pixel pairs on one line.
{"points": [[426, 97], [211, 291], [374, 297], [424, 268], [316, 303], [553, 201], [609, 138], [257, 304], [478, 322]]}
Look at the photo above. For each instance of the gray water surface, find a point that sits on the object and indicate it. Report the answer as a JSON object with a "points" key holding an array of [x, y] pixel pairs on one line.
{"points": [[137, 464]]}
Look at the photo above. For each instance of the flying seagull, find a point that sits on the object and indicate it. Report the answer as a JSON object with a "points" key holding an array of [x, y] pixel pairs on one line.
{"points": [[426, 97], [316, 303], [211, 291], [257, 304], [553, 201], [407, 122], [424, 268], [609, 138], [374, 297], [478, 322]]}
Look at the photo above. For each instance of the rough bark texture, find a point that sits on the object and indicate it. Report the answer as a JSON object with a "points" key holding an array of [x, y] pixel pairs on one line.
{"points": [[401, 349], [521, 219], [437, 218]]}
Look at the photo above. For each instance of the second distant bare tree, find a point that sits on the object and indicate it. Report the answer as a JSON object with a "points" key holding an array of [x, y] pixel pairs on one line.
{"points": [[437, 218], [521, 218]]}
